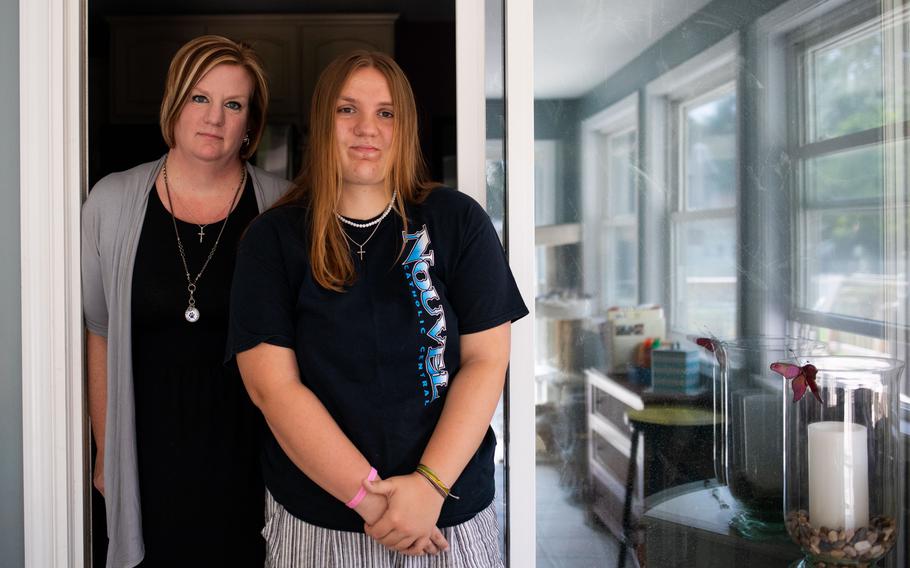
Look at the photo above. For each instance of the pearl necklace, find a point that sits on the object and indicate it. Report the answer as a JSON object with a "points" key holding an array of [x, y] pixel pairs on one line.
{"points": [[374, 221]]}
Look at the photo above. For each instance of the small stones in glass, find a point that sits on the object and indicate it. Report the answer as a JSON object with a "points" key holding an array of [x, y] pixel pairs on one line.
{"points": [[837, 545]]}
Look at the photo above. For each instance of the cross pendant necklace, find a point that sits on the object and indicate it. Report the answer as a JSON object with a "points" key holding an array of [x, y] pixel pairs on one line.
{"points": [[360, 252], [192, 312], [375, 224]]}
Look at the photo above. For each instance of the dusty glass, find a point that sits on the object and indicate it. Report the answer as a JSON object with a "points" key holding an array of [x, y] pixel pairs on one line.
{"points": [[709, 160], [724, 168]]}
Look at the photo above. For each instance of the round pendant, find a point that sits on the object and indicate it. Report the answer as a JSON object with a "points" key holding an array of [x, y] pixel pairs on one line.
{"points": [[191, 314]]}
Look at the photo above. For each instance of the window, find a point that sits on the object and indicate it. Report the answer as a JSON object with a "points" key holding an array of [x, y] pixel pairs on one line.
{"points": [[703, 213], [611, 196], [620, 224], [843, 212]]}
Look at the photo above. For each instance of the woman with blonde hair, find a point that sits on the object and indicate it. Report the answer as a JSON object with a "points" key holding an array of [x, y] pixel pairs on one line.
{"points": [[177, 436], [370, 319]]}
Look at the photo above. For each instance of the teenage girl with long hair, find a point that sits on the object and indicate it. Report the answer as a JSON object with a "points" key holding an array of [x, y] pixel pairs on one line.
{"points": [[370, 319]]}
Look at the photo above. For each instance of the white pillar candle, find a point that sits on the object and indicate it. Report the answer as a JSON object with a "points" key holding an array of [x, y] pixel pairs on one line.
{"points": [[838, 475]]}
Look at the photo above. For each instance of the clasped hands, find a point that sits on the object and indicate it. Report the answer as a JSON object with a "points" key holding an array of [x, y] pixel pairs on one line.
{"points": [[401, 513]]}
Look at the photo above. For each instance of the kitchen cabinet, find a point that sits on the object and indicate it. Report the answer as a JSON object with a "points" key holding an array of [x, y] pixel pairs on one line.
{"points": [[294, 49]]}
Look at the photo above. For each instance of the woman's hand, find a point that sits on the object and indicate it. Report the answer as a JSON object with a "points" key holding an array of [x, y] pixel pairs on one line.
{"points": [[371, 507], [98, 475], [434, 545], [409, 523]]}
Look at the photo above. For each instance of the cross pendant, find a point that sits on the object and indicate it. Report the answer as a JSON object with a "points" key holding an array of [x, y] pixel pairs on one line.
{"points": [[201, 233], [360, 252]]}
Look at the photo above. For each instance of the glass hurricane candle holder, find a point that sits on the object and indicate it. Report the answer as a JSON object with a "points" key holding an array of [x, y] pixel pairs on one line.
{"points": [[748, 433], [842, 460]]}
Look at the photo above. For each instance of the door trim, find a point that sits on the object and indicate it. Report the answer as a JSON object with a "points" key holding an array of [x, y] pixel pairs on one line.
{"points": [[520, 392], [51, 142], [52, 184], [470, 101]]}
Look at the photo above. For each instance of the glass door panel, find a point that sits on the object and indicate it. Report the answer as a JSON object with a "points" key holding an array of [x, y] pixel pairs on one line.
{"points": [[701, 168]]}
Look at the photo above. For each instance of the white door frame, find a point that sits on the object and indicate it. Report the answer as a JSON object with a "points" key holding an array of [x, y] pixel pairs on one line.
{"points": [[51, 141], [519, 142], [521, 432], [470, 102], [52, 135]]}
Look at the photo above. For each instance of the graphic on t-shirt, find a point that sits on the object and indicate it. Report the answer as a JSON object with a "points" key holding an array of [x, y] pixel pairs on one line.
{"points": [[431, 319]]}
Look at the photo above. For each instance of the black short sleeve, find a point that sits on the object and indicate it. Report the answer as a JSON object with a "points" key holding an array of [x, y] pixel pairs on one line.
{"points": [[481, 287], [262, 300], [383, 350]]}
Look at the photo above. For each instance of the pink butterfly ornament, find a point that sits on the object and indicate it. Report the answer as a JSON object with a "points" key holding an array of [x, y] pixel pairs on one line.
{"points": [[800, 377], [713, 345]]}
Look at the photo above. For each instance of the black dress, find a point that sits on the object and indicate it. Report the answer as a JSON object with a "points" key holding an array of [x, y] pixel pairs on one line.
{"points": [[198, 434]]}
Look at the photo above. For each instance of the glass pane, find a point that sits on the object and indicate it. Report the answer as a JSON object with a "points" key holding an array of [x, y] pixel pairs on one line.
{"points": [[850, 175], [844, 264], [546, 180], [708, 215], [557, 296], [621, 276], [495, 168], [844, 270], [622, 175], [706, 275], [846, 85], [710, 159]]}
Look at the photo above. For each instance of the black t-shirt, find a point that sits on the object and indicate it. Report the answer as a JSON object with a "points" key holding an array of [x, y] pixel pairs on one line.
{"points": [[380, 354]]}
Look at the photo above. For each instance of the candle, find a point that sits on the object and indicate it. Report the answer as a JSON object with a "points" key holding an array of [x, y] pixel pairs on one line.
{"points": [[838, 475]]}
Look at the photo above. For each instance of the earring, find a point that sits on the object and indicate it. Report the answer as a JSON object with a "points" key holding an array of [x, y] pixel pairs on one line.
{"points": [[246, 140]]}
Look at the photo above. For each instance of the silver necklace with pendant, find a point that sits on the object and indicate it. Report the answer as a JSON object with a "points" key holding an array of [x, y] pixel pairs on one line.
{"points": [[202, 226], [360, 251], [192, 312]]}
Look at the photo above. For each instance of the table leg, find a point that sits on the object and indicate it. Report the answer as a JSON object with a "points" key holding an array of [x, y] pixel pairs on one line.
{"points": [[627, 504]]}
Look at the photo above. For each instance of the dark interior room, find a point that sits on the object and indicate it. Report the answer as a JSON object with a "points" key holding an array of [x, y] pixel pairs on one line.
{"points": [[130, 46]]}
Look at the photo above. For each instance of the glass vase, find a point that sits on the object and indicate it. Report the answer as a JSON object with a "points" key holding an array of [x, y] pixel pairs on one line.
{"points": [[842, 461], [748, 433]]}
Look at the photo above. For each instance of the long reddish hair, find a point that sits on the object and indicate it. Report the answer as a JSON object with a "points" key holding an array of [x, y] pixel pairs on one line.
{"points": [[319, 184]]}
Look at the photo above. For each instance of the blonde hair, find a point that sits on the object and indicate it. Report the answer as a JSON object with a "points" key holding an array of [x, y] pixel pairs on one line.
{"points": [[190, 64], [319, 183]]}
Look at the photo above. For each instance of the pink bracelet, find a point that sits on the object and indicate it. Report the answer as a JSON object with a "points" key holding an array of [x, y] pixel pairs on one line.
{"points": [[362, 492]]}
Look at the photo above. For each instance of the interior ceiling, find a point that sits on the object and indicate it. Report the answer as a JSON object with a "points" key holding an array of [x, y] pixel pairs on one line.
{"points": [[579, 43]]}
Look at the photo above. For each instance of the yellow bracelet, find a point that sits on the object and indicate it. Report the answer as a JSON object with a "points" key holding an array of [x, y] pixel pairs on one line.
{"points": [[431, 476], [432, 483]]}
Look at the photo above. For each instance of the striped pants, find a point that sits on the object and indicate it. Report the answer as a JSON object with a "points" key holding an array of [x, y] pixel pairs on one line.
{"points": [[292, 543]]}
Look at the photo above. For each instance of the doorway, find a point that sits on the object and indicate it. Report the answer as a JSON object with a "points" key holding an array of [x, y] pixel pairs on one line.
{"points": [[56, 171], [130, 46]]}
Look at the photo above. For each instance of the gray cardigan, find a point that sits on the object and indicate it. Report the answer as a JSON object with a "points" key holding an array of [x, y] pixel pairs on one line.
{"points": [[112, 218]]}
